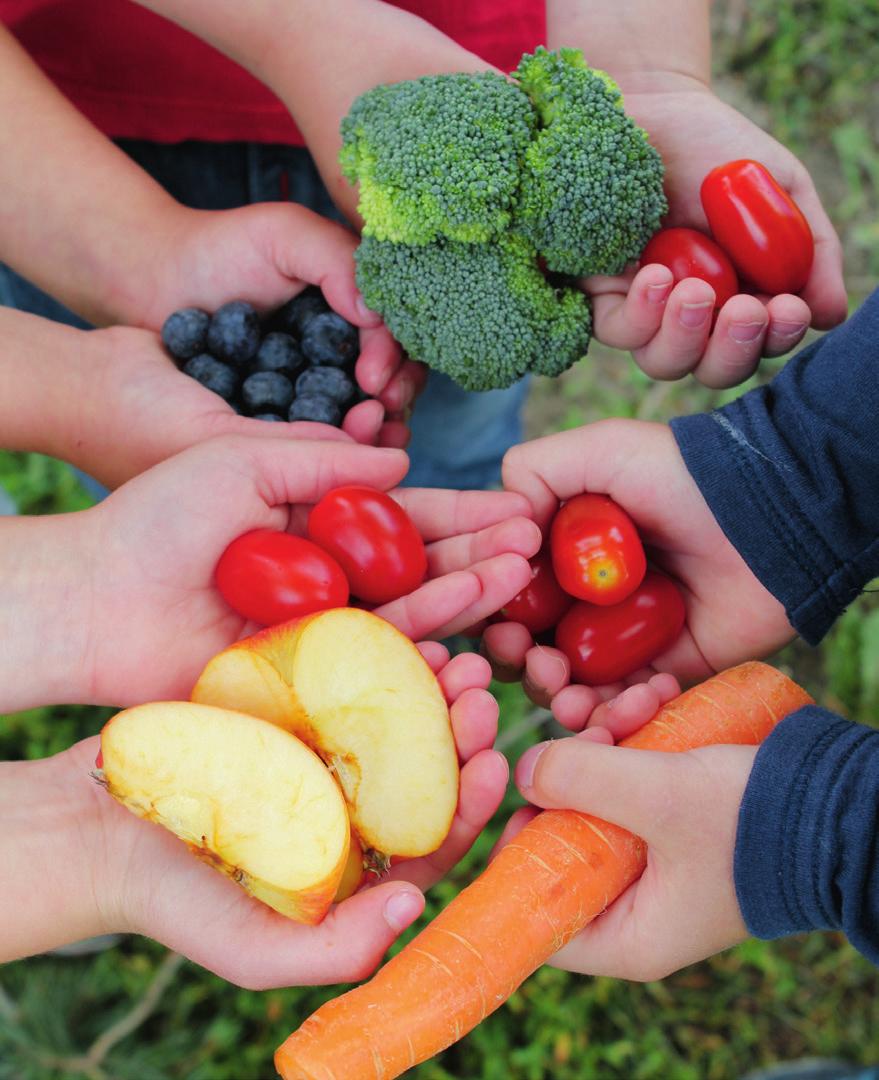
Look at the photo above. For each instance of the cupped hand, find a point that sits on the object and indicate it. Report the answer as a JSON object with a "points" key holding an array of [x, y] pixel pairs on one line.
{"points": [[267, 253], [128, 875], [731, 617], [669, 330], [148, 554]]}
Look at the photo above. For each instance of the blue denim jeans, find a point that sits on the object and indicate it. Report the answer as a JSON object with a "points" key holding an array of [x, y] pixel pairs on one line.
{"points": [[458, 438]]}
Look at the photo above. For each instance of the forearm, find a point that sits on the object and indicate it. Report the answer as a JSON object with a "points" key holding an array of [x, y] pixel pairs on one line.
{"points": [[807, 835], [46, 847], [790, 471], [636, 41], [44, 613], [78, 217], [319, 55]]}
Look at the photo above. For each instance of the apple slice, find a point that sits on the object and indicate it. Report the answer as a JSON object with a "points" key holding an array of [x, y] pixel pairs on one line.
{"points": [[361, 695], [245, 796]]}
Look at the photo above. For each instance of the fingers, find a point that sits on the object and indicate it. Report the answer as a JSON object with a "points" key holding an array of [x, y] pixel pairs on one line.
{"points": [[547, 671], [505, 646], [363, 423], [627, 314], [680, 342], [825, 291], [467, 671], [395, 433], [513, 827], [631, 788], [436, 654], [634, 707], [518, 535], [474, 717], [439, 513], [380, 358], [404, 386], [483, 783], [452, 603]]}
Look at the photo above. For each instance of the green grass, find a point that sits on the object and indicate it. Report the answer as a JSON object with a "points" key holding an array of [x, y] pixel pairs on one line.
{"points": [[802, 68]]}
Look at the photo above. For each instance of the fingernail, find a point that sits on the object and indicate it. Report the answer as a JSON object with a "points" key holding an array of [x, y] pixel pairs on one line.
{"points": [[692, 316], [656, 294], [527, 764], [788, 329], [405, 391], [402, 910], [746, 332], [362, 310]]}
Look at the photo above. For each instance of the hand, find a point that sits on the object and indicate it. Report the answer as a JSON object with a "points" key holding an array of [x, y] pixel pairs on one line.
{"points": [[669, 330], [144, 558], [730, 616], [132, 876], [683, 908], [267, 253]]}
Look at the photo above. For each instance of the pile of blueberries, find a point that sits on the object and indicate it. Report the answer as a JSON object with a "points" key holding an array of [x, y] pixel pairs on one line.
{"points": [[297, 364]]}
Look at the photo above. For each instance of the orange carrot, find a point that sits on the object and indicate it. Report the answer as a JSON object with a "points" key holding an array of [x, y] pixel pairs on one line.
{"points": [[560, 872]]}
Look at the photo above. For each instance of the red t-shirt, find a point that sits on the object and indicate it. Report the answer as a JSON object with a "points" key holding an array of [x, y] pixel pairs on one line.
{"points": [[136, 75]]}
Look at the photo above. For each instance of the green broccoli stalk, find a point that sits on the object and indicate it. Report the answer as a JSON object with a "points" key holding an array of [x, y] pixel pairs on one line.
{"points": [[591, 188], [437, 156], [482, 313], [472, 185]]}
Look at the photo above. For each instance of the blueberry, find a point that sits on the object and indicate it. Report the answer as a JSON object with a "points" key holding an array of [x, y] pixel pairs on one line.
{"points": [[184, 332], [316, 407], [266, 391], [273, 416], [233, 334], [213, 375], [329, 339], [296, 313], [331, 382], [279, 352]]}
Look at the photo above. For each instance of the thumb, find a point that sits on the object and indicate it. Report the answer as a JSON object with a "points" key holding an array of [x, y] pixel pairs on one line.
{"points": [[321, 252], [636, 789]]}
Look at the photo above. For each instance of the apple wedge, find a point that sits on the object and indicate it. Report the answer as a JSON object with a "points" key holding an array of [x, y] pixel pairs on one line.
{"points": [[244, 795], [361, 695]]}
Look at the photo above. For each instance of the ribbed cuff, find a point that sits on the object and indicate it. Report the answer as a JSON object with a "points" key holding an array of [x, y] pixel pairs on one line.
{"points": [[807, 846]]}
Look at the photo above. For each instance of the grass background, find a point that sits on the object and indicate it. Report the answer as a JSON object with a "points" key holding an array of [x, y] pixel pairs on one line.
{"points": [[803, 70]]}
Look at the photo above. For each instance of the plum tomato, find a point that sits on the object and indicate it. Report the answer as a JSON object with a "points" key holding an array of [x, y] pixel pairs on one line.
{"points": [[759, 226], [605, 644], [542, 602], [374, 541], [270, 577], [597, 554], [689, 253]]}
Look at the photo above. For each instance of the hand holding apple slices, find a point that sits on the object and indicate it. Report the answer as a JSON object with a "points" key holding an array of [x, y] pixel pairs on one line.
{"points": [[247, 797], [360, 694]]}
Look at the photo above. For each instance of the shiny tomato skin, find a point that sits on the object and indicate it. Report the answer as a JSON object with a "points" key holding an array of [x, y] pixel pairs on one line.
{"points": [[271, 577], [689, 253], [374, 541], [597, 554], [605, 644], [759, 226], [542, 602]]}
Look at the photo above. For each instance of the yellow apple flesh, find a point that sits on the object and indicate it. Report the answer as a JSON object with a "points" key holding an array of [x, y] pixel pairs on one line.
{"points": [[361, 695], [245, 796]]}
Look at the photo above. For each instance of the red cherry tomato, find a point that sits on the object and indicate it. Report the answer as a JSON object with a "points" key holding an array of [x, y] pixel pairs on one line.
{"points": [[688, 253], [605, 644], [542, 602], [759, 226], [597, 554], [271, 577], [374, 541]]}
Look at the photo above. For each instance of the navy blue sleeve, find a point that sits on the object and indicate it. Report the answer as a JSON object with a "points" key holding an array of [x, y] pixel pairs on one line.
{"points": [[807, 846], [791, 473]]}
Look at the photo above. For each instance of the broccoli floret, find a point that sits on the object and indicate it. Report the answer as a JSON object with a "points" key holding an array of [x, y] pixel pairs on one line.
{"points": [[437, 156], [482, 313], [591, 192]]}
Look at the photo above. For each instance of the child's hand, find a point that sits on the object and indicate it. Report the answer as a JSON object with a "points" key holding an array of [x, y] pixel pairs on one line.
{"points": [[65, 838], [685, 806], [669, 331], [266, 254], [730, 616], [146, 556]]}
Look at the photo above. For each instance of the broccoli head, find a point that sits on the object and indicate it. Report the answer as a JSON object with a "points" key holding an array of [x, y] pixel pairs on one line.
{"points": [[437, 156], [591, 188], [484, 314]]}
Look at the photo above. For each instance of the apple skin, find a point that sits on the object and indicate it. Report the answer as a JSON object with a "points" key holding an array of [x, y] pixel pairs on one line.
{"points": [[190, 768], [359, 693]]}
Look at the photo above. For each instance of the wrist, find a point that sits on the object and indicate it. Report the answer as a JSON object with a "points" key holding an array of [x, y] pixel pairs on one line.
{"points": [[50, 850]]}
